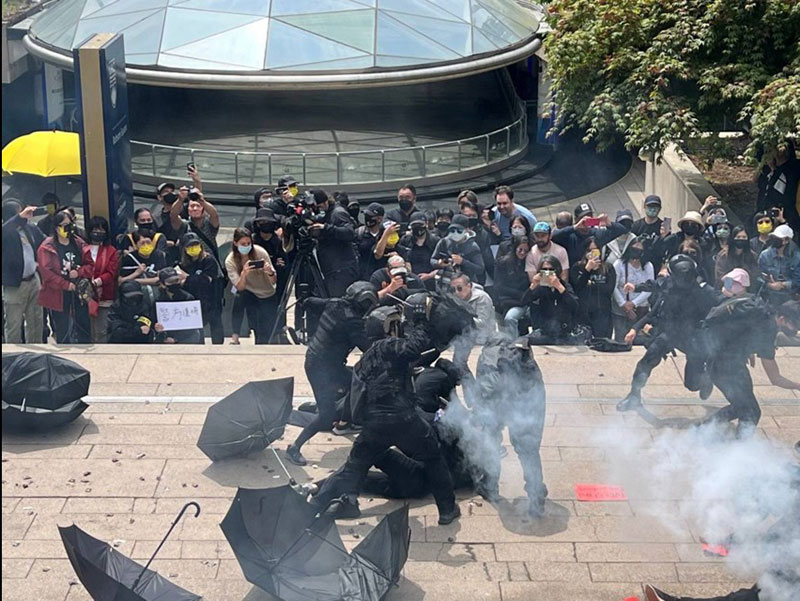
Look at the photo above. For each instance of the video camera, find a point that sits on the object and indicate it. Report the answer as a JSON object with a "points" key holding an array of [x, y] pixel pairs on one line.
{"points": [[302, 213]]}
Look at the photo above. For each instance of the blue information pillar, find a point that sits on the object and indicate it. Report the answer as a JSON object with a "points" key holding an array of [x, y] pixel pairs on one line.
{"points": [[102, 98]]}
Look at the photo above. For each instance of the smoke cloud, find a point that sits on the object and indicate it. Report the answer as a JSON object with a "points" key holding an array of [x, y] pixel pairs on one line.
{"points": [[742, 493]]}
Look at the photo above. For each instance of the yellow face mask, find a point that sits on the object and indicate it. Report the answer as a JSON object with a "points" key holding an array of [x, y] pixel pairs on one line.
{"points": [[392, 240], [594, 254], [293, 190], [194, 250], [51, 209], [764, 228], [147, 249], [62, 231]]}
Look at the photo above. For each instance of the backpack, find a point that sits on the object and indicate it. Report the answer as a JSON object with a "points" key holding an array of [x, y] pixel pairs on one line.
{"points": [[741, 308], [358, 396]]}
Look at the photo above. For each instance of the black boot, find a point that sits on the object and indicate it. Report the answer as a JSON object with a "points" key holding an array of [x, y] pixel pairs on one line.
{"points": [[293, 455], [630, 403], [344, 508], [450, 516]]}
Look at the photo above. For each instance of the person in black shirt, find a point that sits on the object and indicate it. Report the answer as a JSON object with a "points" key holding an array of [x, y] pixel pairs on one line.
{"points": [[417, 247], [143, 222], [407, 199], [203, 282], [132, 316], [143, 262], [594, 281], [170, 290], [554, 306], [370, 256], [650, 224], [395, 280]]}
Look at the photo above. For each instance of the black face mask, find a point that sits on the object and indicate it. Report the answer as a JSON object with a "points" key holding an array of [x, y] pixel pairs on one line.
{"points": [[267, 227], [443, 226], [97, 237], [133, 299], [173, 288], [740, 244], [635, 253], [691, 229], [473, 223], [146, 227], [405, 205], [372, 222], [418, 232], [354, 212]]}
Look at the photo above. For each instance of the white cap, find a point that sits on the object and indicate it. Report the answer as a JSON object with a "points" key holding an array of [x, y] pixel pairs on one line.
{"points": [[783, 231]]}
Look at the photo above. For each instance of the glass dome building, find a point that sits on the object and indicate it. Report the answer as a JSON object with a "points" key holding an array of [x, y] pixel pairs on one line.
{"points": [[252, 56]]}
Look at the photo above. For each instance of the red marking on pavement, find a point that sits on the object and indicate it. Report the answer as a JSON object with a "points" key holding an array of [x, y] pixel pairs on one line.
{"points": [[600, 492], [631, 599], [718, 550]]}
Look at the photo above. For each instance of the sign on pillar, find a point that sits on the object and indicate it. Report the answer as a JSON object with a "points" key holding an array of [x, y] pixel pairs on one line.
{"points": [[102, 100]]}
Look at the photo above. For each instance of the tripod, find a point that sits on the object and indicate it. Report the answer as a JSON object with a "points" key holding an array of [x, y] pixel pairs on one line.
{"points": [[306, 261]]}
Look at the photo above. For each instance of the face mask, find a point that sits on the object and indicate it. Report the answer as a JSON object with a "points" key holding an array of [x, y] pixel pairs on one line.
{"points": [[147, 249], [194, 250], [51, 209], [443, 226], [64, 231], [97, 237], [635, 253], [266, 228], [652, 211], [173, 288], [457, 235], [473, 222], [418, 232], [405, 203], [764, 228], [517, 230], [245, 250], [293, 190], [354, 212], [593, 254], [691, 229], [371, 222], [740, 244], [722, 233]]}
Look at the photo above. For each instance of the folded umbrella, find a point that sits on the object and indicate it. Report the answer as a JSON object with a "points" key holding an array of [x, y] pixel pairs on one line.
{"points": [[247, 420], [42, 391], [108, 575], [289, 550]]}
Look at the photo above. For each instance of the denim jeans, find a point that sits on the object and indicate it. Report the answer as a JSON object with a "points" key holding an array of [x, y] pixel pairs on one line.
{"points": [[512, 318]]}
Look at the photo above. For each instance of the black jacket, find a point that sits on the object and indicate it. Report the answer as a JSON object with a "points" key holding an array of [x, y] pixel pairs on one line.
{"points": [[124, 326], [572, 240], [201, 282], [335, 251], [398, 216], [554, 313], [418, 256], [339, 331], [510, 283], [387, 367], [470, 252], [365, 244], [12, 248], [594, 289]]}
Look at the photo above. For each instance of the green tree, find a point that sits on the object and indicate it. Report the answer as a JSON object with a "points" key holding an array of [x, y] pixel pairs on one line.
{"points": [[656, 72]]}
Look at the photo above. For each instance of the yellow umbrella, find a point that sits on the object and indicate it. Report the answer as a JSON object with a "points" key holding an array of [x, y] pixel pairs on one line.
{"points": [[44, 153]]}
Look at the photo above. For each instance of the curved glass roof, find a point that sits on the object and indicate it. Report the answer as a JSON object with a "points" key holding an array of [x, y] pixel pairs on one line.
{"points": [[290, 35]]}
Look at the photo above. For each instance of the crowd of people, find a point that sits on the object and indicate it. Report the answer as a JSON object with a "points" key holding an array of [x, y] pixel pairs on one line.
{"points": [[586, 276]]}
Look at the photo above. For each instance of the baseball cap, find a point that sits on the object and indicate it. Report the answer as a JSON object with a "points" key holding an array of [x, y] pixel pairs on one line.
{"points": [[374, 209], [461, 220], [265, 214], [624, 214], [169, 275], [582, 210], [189, 239], [164, 185], [783, 231], [541, 226], [652, 200]]}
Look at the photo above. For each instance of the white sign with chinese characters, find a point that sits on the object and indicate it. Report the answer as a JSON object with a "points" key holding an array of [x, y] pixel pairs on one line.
{"points": [[185, 315]]}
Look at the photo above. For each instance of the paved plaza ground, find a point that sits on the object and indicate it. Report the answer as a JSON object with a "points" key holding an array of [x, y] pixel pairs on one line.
{"points": [[123, 469]]}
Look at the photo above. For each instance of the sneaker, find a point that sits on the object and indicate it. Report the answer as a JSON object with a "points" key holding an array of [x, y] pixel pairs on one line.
{"points": [[294, 456], [342, 428], [450, 516], [651, 593], [630, 403]]}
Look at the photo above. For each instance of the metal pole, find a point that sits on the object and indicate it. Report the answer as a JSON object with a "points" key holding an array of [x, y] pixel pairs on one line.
{"points": [[338, 168], [269, 169], [424, 162], [383, 165], [305, 177], [153, 157], [508, 141], [236, 167], [487, 148], [459, 155]]}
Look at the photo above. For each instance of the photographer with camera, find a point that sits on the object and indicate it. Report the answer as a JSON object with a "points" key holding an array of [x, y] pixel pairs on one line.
{"points": [[554, 305], [395, 280], [64, 259], [203, 221], [417, 248], [371, 241], [331, 227], [459, 251], [251, 273]]}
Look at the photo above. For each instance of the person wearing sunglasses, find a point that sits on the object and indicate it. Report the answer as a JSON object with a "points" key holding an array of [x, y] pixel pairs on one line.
{"points": [[484, 325], [459, 251]]}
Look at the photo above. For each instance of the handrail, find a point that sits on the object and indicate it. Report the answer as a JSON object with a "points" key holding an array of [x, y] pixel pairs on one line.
{"points": [[423, 164]]}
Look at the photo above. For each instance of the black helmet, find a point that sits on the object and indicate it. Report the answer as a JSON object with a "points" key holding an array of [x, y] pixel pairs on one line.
{"points": [[130, 293], [683, 271], [382, 322], [419, 304], [362, 295]]}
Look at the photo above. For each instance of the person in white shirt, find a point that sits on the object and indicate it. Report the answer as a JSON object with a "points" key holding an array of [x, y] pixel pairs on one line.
{"points": [[629, 306]]}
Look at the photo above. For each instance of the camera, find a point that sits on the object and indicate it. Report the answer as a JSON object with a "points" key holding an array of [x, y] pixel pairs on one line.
{"points": [[491, 212], [194, 195], [718, 219], [546, 273], [774, 213], [302, 214]]}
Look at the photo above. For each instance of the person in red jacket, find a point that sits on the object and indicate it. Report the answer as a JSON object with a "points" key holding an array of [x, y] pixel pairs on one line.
{"points": [[64, 260], [104, 277]]}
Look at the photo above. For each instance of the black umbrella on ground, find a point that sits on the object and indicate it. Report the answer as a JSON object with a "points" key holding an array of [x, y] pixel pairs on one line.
{"points": [[42, 391], [108, 575], [285, 548], [247, 420]]}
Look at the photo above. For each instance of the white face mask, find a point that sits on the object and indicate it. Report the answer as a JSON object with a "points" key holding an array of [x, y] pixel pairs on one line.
{"points": [[517, 230], [457, 236]]}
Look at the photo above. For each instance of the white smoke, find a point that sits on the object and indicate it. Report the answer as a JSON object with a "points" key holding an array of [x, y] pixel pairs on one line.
{"points": [[742, 493]]}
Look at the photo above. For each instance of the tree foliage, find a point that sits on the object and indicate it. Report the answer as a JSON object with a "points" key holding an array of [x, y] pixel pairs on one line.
{"points": [[655, 72]]}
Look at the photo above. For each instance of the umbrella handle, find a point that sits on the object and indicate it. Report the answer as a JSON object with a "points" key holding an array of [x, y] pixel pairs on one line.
{"points": [[292, 481], [163, 540]]}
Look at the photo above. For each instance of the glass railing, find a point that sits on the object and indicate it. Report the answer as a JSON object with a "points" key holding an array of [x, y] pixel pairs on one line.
{"points": [[333, 168]]}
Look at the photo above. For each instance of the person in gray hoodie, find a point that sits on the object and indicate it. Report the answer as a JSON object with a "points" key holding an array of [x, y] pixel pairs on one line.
{"points": [[459, 251]]}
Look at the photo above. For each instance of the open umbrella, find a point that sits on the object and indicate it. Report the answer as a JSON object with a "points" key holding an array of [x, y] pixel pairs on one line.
{"points": [[247, 420], [285, 548], [42, 390], [108, 575], [44, 153]]}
